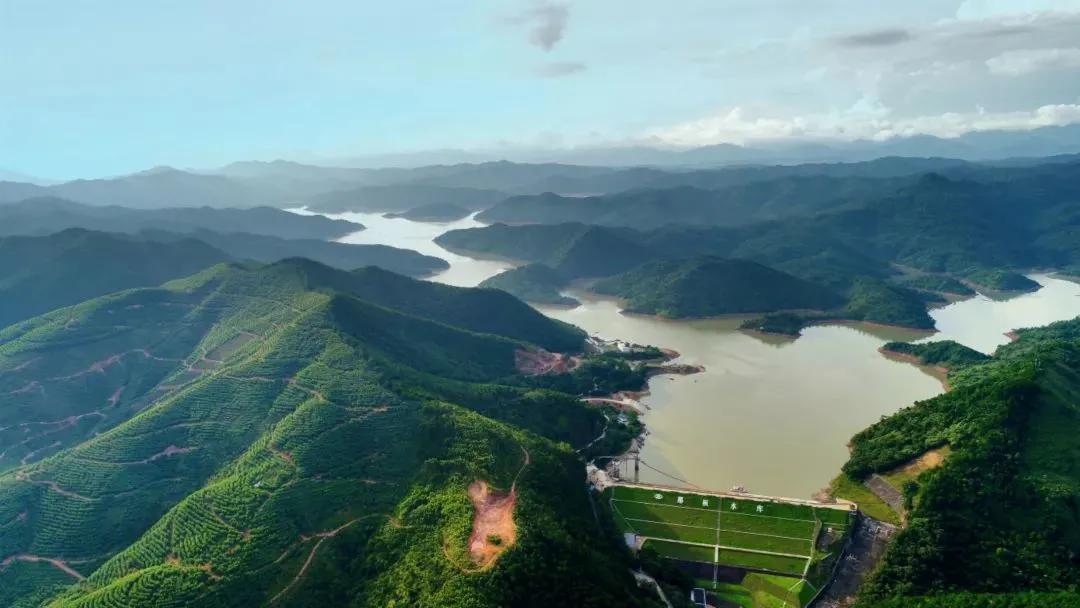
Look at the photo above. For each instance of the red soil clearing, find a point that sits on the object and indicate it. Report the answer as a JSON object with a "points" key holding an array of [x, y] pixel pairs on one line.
{"points": [[494, 519], [539, 362]]}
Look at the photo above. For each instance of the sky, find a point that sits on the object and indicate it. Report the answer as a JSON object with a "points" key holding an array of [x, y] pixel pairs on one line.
{"points": [[92, 88]]}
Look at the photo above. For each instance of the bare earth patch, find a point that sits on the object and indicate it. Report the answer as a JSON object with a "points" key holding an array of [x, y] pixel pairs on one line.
{"points": [[931, 459], [538, 362], [494, 530]]}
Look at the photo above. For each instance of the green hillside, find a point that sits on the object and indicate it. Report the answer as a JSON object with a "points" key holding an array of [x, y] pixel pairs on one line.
{"points": [[347, 256], [572, 250], [1001, 280], [39, 274], [731, 205], [707, 286], [290, 435], [1000, 516], [532, 283], [937, 283], [946, 353], [984, 230], [40, 216], [879, 302]]}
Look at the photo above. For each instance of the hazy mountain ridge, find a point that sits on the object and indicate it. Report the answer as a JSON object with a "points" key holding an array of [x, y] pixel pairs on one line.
{"points": [[286, 183], [40, 216], [39, 274]]}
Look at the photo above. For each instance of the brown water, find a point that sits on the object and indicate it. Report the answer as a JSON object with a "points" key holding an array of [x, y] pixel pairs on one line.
{"points": [[771, 414]]}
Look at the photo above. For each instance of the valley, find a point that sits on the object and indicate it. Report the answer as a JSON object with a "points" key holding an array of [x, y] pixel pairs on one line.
{"points": [[770, 413]]}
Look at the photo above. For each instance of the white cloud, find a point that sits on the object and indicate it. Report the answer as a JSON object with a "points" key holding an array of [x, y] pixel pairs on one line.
{"points": [[1026, 61], [867, 119], [983, 9]]}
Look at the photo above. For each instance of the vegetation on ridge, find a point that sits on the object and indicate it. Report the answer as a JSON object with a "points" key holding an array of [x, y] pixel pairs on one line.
{"points": [[946, 353], [707, 286], [532, 283], [290, 435], [1000, 515]]}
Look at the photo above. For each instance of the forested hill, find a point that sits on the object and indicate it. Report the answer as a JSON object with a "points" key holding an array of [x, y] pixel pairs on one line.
{"points": [[929, 235], [532, 283], [1001, 515], [292, 435], [734, 205], [347, 256], [572, 250], [39, 216], [39, 274], [708, 286], [936, 224]]}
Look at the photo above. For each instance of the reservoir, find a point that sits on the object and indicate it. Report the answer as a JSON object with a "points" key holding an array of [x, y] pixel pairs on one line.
{"points": [[769, 413]]}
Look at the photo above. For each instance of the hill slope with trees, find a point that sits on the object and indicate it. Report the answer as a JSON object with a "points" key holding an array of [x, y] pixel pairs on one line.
{"points": [[41, 216], [39, 274], [708, 286], [1000, 516], [292, 435], [532, 283]]}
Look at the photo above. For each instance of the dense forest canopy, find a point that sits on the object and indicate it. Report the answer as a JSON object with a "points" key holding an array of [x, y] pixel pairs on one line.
{"points": [[1001, 515]]}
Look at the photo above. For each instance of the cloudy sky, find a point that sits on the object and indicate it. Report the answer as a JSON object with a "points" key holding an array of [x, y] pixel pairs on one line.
{"points": [[91, 88]]}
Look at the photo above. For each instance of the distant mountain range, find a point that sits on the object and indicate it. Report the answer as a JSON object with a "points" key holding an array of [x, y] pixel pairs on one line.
{"points": [[477, 180], [973, 146]]}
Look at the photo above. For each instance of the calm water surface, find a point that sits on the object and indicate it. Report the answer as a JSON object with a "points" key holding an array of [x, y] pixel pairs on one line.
{"points": [[418, 236], [771, 414], [982, 323]]}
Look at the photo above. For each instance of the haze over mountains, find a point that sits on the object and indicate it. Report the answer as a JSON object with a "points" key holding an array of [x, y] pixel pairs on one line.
{"points": [[208, 400], [284, 183], [540, 304], [972, 146]]}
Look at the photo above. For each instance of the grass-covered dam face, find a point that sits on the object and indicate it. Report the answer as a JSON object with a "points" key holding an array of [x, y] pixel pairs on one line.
{"points": [[781, 548]]}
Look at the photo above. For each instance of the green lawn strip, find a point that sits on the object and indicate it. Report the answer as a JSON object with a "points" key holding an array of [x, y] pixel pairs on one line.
{"points": [[734, 593], [667, 497], [694, 553], [743, 522], [764, 600], [833, 517], [688, 534], [768, 508], [679, 515], [849, 489], [785, 588], [775, 563], [760, 542], [620, 522]]}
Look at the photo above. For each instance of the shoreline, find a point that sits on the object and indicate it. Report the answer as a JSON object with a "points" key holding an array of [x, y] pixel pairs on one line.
{"points": [[631, 400], [937, 371]]}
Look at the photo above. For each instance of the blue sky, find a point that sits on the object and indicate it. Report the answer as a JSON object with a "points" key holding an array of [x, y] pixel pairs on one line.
{"points": [[103, 88]]}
